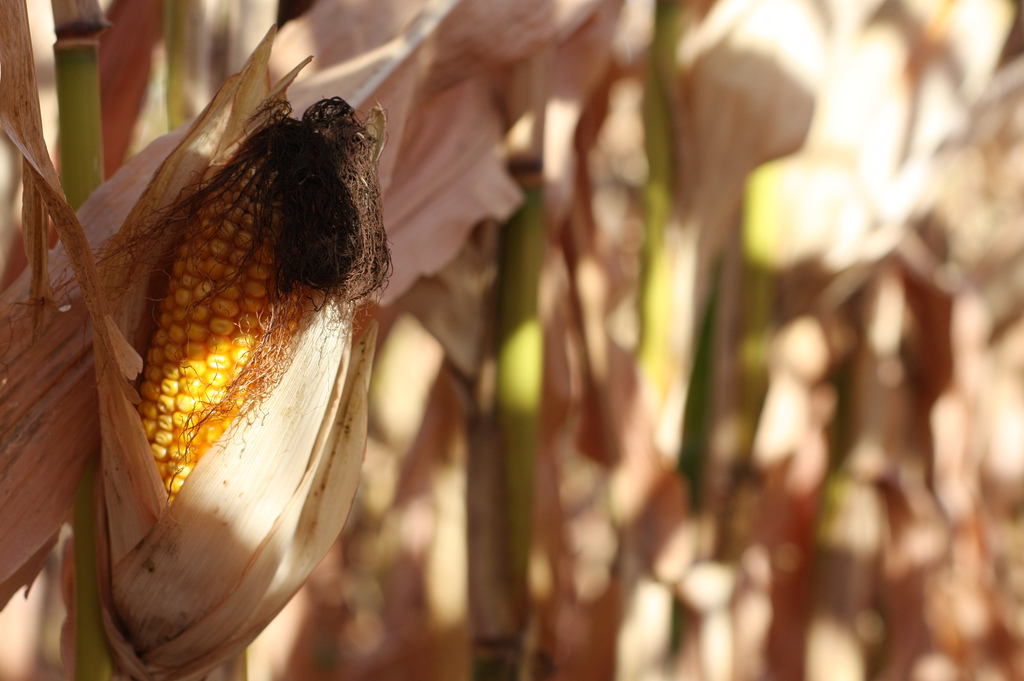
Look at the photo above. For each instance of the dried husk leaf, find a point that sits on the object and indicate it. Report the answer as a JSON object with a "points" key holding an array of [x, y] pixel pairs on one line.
{"points": [[190, 583], [133, 491], [210, 575], [750, 72]]}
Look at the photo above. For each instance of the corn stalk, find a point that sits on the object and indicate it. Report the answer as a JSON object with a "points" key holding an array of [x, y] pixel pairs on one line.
{"points": [[78, 25], [501, 535], [655, 295]]}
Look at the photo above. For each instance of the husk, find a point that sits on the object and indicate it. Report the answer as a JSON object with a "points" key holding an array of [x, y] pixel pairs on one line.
{"points": [[211, 573], [187, 585], [132, 489]]}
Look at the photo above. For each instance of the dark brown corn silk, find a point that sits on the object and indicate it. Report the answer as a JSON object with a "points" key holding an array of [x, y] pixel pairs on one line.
{"points": [[291, 224]]}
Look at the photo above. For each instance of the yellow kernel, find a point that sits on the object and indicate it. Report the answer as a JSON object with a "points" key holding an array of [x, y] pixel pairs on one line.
{"points": [[165, 404], [255, 288], [250, 304], [193, 367], [212, 394], [171, 371], [221, 326], [184, 403], [156, 353], [176, 333], [165, 422], [150, 391], [201, 313], [174, 452], [214, 269], [217, 246], [147, 408], [165, 319], [227, 229], [195, 350], [153, 373], [182, 297], [197, 332], [233, 292], [249, 322], [258, 270], [169, 387], [179, 268], [159, 452], [163, 438], [211, 431], [241, 356], [180, 419], [188, 279], [202, 289], [218, 345], [175, 483], [218, 362], [150, 427], [224, 307]]}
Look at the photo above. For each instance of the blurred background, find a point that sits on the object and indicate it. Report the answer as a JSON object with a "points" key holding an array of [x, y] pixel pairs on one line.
{"points": [[702, 357]]}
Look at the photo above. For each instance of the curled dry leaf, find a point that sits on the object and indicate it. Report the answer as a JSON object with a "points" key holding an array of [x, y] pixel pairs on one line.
{"points": [[432, 65]]}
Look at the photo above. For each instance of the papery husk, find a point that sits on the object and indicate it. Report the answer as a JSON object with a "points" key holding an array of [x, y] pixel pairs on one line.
{"points": [[188, 584], [211, 574], [213, 136]]}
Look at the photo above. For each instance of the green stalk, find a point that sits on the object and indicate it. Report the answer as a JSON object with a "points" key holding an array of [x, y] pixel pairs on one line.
{"points": [[655, 299], [520, 370], [92, 655], [176, 23], [81, 137], [508, 405], [78, 26], [762, 231]]}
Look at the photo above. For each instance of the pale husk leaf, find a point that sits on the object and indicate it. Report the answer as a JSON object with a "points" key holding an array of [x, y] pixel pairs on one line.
{"points": [[206, 542], [133, 491], [302, 535], [292, 499]]}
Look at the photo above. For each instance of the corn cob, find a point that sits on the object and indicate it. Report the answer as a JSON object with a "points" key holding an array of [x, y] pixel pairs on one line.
{"points": [[293, 219], [204, 338]]}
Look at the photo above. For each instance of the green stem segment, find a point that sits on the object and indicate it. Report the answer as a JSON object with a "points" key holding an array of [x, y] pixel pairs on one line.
{"points": [[92, 656], [81, 152], [655, 278], [518, 380], [176, 29], [520, 370], [81, 138], [762, 231]]}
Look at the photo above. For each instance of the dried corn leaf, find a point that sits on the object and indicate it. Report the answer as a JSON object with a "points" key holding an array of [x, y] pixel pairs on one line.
{"points": [[19, 116], [432, 67]]}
